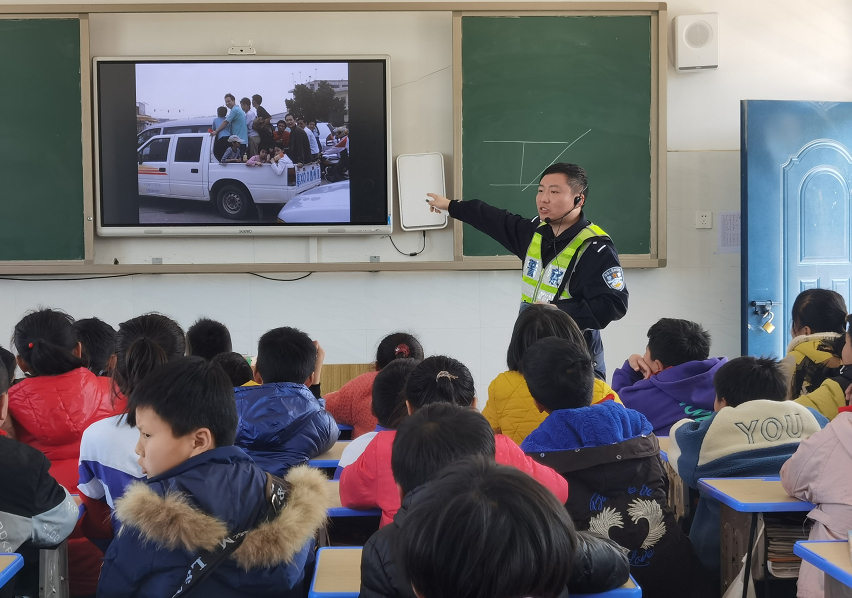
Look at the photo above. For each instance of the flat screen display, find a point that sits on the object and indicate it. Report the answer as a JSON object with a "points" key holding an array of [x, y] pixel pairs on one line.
{"points": [[242, 146]]}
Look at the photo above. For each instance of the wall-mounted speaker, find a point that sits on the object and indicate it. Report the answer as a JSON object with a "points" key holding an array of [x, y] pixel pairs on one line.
{"points": [[696, 43]]}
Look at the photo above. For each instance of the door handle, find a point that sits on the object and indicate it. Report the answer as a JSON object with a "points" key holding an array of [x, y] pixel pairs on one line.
{"points": [[194, 170], [162, 170]]}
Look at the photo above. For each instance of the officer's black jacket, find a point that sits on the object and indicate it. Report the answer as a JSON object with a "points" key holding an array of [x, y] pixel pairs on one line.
{"points": [[593, 303]]}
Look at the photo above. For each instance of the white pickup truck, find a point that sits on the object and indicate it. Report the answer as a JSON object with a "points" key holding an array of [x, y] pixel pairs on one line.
{"points": [[183, 166]]}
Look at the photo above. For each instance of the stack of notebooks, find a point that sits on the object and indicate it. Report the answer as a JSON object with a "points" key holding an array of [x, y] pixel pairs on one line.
{"points": [[782, 532]]}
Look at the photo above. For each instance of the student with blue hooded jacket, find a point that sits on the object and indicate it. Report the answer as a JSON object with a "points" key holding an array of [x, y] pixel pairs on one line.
{"points": [[207, 518], [282, 424], [611, 459]]}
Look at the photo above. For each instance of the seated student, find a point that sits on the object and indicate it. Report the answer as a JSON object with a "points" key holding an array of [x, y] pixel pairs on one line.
{"points": [[34, 508], [7, 362], [819, 316], [388, 407], [97, 339], [510, 408], [50, 409], [236, 366], [441, 434], [201, 493], [282, 424], [108, 461], [352, 404], [818, 472], [610, 457], [674, 378], [753, 432], [207, 338], [830, 396], [368, 483]]}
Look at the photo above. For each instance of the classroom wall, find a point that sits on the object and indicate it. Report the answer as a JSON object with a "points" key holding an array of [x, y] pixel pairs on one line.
{"points": [[770, 49]]}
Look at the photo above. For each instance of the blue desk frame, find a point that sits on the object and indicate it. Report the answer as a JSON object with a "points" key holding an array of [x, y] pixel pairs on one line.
{"points": [[801, 549], [622, 592], [754, 508], [15, 566], [326, 463]]}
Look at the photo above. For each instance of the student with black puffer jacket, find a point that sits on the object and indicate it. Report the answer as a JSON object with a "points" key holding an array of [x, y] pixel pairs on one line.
{"points": [[428, 441]]}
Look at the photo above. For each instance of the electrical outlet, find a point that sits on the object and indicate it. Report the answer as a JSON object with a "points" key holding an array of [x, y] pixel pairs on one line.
{"points": [[156, 260], [703, 219], [375, 258]]}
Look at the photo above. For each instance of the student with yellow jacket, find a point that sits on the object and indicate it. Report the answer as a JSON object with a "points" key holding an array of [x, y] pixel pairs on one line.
{"points": [[818, 320], [510, 408], [831, 395]]}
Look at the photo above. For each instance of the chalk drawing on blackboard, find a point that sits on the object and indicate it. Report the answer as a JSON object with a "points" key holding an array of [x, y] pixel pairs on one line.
{"points": [[523, 145]]}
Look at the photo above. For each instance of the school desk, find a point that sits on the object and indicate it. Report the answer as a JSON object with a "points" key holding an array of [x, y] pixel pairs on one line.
{"points": [[345, 431], [337, 574], [338, 510], [629, 590], [679, 499], [9, 565], [331, 458], [830, 556], [754, 496], [664, 447]]}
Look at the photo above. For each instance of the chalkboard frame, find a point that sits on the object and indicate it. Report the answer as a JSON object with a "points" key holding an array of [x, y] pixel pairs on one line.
{"points": [[657, 256], [14, 266], [82, 11]]}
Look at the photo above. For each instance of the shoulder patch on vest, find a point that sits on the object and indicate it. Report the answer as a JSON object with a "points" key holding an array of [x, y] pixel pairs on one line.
{"points": [[614, 278]]}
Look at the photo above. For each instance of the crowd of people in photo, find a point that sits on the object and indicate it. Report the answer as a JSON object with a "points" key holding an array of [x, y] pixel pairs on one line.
{"points": [[182, 451], [245, 133]]}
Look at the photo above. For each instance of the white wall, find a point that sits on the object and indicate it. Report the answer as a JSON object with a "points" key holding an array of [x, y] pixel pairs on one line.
{"points": [[770, 49]]}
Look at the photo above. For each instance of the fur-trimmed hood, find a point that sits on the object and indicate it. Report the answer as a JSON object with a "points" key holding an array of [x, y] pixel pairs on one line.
{"points": [[811, 349], [173, 522]]}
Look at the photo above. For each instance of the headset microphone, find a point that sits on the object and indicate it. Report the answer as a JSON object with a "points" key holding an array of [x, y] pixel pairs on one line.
{"points": [[576, 202]]}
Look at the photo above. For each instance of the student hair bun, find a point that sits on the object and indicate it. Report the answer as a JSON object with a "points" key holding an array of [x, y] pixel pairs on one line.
{"points": [[399, 345]]}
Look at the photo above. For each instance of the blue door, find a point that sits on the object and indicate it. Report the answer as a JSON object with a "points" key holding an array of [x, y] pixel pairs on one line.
{"points": [[797, 212]]}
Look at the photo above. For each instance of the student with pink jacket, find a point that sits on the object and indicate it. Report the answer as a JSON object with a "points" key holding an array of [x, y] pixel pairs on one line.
{"points": [[818, 472]]}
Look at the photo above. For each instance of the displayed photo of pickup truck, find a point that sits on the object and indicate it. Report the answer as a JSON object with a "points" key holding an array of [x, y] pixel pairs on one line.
{"points": [[182, 167]]}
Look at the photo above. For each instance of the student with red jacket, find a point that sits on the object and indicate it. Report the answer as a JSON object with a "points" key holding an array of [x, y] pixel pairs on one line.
{"points": [[369, 483], [353, 403], [51, 409]]}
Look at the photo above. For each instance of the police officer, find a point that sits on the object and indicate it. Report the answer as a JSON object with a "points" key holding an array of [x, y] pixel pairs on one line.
{"points": [[568, 261]]}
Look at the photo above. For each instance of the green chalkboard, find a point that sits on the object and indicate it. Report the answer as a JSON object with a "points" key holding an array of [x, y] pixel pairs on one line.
{"points": [[580, 88], [41, 170]]}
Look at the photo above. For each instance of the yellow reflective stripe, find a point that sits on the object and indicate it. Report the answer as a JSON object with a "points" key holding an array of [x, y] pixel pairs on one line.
{"points": [[540, 283]]}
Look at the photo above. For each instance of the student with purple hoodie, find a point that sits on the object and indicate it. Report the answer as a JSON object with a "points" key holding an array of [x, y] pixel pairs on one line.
{"points": [[674, 378]]}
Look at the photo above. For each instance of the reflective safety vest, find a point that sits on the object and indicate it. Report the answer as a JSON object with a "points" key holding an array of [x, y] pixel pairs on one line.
{"points": [[542, 283]]}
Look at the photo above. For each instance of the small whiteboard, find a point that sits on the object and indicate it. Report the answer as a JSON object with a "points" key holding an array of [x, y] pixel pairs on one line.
{"points": [[417, 175]]}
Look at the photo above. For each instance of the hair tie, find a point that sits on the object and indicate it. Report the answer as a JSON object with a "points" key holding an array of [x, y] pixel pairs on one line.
{"points": [[31, 345], [445, 374], [403, 349]]}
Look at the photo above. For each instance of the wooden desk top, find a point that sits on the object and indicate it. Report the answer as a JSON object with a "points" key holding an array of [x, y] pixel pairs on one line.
{"points": [[6, 560], [338, 571], [10, 564], [664, 443], [334, 453], [753, 495], [831, 557], [336, 502]]}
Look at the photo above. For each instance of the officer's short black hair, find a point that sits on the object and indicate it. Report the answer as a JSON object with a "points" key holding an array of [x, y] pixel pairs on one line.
{"points": [[474, 510], [207, 338], [434, 437], [559, 374], [673, 342], [236, 366], [286, 355], [576, 176], [749, 379], [190, 393]]}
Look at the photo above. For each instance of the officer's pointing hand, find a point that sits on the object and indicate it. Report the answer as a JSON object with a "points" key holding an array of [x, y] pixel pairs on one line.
{"points": [[438, 202]]}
